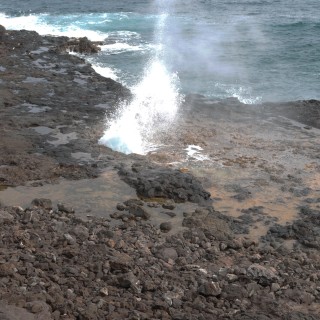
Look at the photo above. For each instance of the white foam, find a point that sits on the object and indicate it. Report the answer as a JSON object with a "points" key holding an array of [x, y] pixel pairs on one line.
{"points": [[154, 106], [105, 71], [37, 23], [120, 47], [243, 95], [124, 34], [194, 152]]}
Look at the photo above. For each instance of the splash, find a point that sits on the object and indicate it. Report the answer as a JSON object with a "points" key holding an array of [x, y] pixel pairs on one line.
{"points": [[155, 102]]}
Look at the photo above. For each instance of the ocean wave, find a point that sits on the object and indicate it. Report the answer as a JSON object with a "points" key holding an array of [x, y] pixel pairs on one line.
{"points": [[120, 47], [243, 94], [124, 34], [39, 24], [104, 71]]}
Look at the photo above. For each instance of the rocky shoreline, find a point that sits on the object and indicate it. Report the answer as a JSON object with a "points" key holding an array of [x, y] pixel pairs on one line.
{"points": [[171, 252]]}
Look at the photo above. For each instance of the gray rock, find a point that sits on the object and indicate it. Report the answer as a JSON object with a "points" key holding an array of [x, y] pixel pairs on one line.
{"points": [[170, 205], [8, 312], [274, 287], [70, 239], [5, 217], [127, 280], [65, 208], [167, 253], [81, 232], [263, 275], [139, 211]]}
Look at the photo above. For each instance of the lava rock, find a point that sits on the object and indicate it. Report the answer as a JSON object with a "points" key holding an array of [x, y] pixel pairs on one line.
{"points": [[165, 226], [263, 275], [42, 202], [153, 181], [210, 289]]}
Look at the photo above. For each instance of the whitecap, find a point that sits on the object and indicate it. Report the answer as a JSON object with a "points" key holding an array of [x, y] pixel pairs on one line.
{"points": [[120, 47], [105, 71], [38, 23]]}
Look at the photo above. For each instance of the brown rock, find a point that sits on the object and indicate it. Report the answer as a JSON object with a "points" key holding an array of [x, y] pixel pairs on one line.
{"points": [[210, 289]]}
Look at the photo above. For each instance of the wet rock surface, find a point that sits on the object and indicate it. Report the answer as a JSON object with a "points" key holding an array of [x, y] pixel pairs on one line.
{"points": [[52, 107], [189, 246]]}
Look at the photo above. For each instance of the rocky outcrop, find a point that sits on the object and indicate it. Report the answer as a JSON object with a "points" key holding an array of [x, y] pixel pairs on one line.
{"points": [[80, 45], [151, 181]]}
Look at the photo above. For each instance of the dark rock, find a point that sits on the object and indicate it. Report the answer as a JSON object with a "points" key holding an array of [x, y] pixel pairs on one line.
{"points": [[127, 280], [132, 202], [165, 226], [65, 208], [210, 289], [139, 211], [81, 45], [42, 202], [169, 213], [121, 262], [121, 207], [170, 205], [152, 182]]}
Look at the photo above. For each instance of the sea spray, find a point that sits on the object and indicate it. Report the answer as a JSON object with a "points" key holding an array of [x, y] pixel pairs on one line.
{"points": [[137, 125]]}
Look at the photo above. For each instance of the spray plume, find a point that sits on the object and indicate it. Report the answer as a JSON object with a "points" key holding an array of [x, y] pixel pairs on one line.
{"points": [[153, 108]]}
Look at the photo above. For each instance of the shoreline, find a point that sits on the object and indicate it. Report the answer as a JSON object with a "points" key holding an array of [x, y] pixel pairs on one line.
{"points": [[171, 250]]}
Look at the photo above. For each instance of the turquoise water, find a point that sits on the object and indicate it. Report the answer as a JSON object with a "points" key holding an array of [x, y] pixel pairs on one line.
{"points": [[250, 49]]}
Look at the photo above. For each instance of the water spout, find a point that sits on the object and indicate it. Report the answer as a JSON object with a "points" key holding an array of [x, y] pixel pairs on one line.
{"points": [[153, 108]]}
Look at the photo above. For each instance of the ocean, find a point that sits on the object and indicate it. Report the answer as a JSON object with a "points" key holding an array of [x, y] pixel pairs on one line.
{"points": [[253, 50]]}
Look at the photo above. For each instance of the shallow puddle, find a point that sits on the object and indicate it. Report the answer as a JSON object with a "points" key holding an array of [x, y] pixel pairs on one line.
{"points": [[94, 197], [264, 206], [97, 197]]}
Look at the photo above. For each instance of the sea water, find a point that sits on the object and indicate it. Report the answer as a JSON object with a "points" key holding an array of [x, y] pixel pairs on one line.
{"points": [[252, 50]]}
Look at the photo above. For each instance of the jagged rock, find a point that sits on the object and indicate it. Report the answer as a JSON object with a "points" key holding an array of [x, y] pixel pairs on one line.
{"points": [[263, 275], [42, 202], [139, 211], [80, 45], [210, 289], [158, 182]]}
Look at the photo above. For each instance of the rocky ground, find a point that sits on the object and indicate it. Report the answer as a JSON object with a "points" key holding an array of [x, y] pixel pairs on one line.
{"points": [[233, 236]]}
